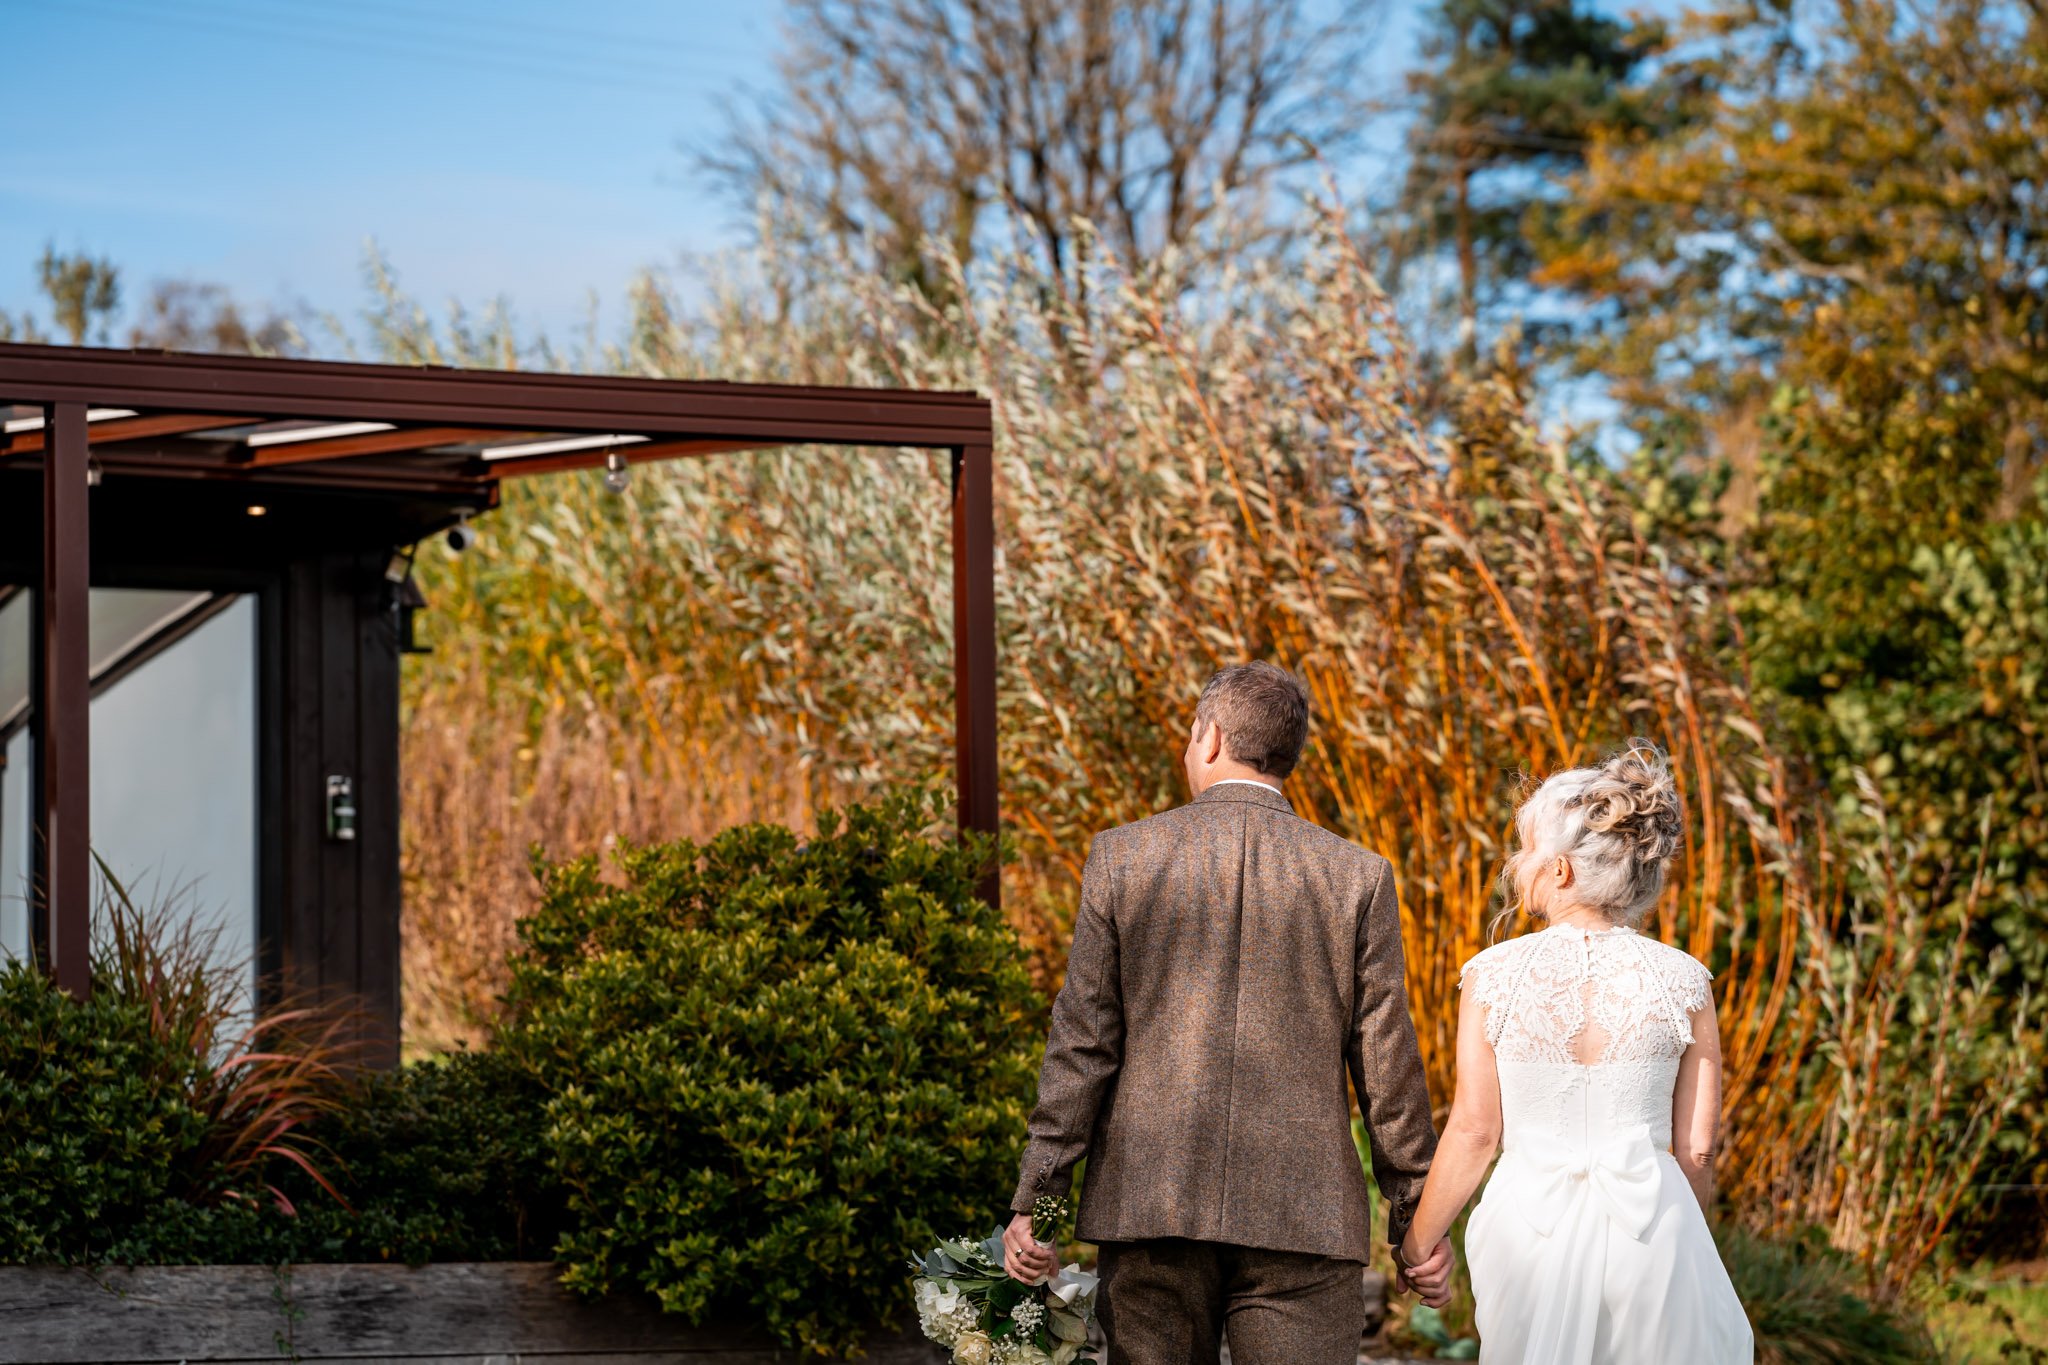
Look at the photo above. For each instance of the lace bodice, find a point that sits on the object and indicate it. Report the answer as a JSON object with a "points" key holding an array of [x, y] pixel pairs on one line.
{"points": [[1587, 1028]]}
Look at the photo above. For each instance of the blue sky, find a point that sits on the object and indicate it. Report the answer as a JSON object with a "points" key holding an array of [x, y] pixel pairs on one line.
{"points": [[514, 148]]}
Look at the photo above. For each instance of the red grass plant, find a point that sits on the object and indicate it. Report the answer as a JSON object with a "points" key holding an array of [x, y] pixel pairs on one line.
{"points": [[260, 1080]]}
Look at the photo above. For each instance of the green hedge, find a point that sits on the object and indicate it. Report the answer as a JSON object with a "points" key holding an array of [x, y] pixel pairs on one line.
{"points": [[94, 1134], [775, 1067]]}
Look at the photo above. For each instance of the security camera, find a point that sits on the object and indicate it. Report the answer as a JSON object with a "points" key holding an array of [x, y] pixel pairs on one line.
{"points": [[461, 536]]}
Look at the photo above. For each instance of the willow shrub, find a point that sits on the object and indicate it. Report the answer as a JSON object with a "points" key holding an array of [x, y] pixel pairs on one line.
{"points": [[776, 1067]]}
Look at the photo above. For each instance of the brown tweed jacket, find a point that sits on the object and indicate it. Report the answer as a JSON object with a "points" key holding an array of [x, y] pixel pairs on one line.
{"points": [[1231, 963]]}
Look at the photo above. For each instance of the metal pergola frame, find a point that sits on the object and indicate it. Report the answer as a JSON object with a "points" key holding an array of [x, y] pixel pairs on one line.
{"points": [[444, 435]]}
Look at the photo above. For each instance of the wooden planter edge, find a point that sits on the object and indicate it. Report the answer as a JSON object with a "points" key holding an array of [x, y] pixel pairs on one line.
{"points": [[474, 1313]]}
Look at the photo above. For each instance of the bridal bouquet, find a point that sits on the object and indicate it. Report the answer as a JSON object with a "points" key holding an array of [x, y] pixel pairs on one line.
{"points": [[967, 1301]]}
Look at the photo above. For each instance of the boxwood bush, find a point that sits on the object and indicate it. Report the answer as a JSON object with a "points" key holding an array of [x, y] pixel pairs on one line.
{"points": [[776, 1067], [94, 1130]]}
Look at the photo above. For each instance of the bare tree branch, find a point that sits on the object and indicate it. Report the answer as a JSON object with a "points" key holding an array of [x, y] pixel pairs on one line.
{"points": [[897, 120]]}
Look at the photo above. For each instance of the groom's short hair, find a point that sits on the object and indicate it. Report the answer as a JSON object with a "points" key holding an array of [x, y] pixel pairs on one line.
{"points": [[1264, 714]]}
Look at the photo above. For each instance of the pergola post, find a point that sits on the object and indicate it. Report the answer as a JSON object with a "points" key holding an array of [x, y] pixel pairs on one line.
{"points": [[63, 704], [974, 649]]}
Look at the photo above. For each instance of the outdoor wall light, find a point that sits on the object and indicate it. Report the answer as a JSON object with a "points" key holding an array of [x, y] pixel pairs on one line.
{"points": [[341, 809], [411, 601], [616, 475], [257, 509], [403, 597]]}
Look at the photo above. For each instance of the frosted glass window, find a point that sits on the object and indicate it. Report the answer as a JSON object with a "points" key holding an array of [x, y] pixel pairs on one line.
{"points": [[173, 759]]}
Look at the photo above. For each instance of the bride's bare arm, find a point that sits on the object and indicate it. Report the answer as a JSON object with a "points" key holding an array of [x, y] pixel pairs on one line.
{"points": [[1471, 1137], [1696, 1106]]}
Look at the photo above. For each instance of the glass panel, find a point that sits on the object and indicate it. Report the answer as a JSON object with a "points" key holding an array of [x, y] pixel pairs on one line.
{"points": [[173, 758], [15, 780]]}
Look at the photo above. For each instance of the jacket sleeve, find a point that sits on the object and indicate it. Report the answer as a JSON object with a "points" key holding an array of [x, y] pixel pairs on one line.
{"points": [[1386, 1063], [1084, 1050]]}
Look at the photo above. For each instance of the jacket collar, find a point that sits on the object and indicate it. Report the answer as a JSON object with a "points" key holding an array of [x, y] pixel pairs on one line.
{"points": [[1245, 792]]}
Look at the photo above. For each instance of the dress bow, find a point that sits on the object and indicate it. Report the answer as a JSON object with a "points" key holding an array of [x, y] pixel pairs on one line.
{"points": [[1620, 1174]]}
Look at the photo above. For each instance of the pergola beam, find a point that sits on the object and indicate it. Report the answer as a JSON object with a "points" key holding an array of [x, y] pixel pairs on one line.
{"points": [[508, 399], [366, 443], [125, 429], [595, 459], [63, 705]]}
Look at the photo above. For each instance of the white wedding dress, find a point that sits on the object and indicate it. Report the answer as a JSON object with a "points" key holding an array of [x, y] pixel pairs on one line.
{"points": [[1588, 1247]]}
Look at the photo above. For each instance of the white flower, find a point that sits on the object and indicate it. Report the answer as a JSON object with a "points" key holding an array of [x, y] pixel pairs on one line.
{"points": [[943, 1312], [1027, 1315], [973, 1348], [1074, 1289], [1064, 1353]]}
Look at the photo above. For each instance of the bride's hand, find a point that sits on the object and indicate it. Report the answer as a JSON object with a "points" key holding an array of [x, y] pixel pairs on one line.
{"points": [[1430, 1276]]}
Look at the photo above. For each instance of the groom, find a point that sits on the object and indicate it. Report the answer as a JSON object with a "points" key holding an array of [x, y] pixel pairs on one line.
{"points": [[1232, 964]]}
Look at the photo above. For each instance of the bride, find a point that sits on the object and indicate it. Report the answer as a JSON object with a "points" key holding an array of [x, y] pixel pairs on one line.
{"points": [[1589, 1056]]}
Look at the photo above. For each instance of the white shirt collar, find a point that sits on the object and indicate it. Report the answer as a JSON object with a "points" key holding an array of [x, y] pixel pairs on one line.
{"points": [[1247, 782]]}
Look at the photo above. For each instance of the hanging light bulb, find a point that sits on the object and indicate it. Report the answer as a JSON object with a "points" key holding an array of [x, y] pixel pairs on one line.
{"points": [[615, 472]]}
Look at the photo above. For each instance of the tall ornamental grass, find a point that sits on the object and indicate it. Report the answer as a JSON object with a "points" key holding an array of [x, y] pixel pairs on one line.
{"points": [[1192, 473]]}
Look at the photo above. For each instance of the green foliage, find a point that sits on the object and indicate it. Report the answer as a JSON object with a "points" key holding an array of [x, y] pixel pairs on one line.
{"points": [[1805, 1308], [1978, 1320], [114, 1147], [439, 1161], [1428, 1324], [93, 1130], [444, 1161], [769, 1062], [1901, 626]]}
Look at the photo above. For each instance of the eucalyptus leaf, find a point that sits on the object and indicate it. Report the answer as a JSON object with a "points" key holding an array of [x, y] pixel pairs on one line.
{"points": [[1065, 1325]]}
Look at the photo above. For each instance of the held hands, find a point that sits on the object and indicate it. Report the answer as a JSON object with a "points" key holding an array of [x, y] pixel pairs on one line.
{"points": [[1429, 1276], [1023, 1257]]}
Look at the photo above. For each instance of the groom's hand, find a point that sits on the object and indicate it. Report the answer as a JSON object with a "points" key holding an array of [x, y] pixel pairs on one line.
{"points": [[1023, 1257], [1431, 1276]]}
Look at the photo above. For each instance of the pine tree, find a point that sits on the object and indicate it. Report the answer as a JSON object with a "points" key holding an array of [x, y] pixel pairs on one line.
{"points": [[1510, 96]]}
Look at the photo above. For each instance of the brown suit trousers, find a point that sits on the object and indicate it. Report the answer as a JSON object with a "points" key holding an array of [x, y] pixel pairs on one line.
{"points": [[1232, 965], [1171, 1302]]}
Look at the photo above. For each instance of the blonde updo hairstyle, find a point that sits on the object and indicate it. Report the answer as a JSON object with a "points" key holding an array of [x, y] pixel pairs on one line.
{"points": [[1620, 824]]}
